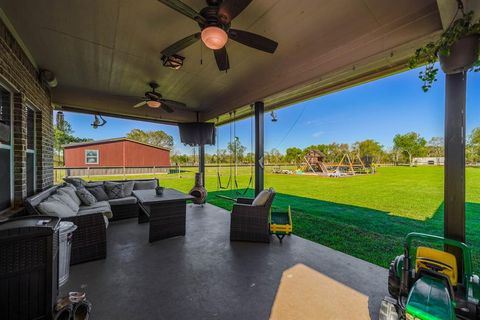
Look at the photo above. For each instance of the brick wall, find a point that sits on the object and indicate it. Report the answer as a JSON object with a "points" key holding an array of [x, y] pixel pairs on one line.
{"points": [[22, 77]]}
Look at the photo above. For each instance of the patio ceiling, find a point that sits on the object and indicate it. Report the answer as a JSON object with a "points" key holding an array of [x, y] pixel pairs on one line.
{"points": [[104, 52]]}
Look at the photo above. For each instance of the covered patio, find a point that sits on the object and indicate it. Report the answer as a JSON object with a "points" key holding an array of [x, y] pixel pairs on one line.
{"points": [[98, 57], [205, 276]]}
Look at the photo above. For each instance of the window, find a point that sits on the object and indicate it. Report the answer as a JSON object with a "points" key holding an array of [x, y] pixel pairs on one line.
{"points": [[31, 167], [6, 174], [91, 156]]}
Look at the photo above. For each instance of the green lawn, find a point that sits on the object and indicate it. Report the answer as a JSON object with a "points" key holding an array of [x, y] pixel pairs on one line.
{"points": [[364, 216]]}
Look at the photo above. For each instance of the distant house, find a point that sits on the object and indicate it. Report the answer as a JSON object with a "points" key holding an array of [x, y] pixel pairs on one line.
{"points": [[119, 152], [426, 161]]}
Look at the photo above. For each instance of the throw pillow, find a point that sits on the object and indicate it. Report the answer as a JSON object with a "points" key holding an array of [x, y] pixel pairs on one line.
{"points": [[128, 188], [262, 198], [71, 192], [115, 190], [87, 198], [94, 184], [67, 184], [145, 185], [65, 198], [56, 208], [98, 192], [77, 182]]}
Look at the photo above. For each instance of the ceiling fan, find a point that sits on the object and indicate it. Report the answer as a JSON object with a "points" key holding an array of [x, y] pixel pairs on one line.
{"points": [[214, 22], [154, 99]]}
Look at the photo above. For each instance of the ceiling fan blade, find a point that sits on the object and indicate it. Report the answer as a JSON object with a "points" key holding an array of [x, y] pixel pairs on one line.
{"points": [[181, 44], [229, 9], [184, 9], [138, 105], [253, 40], [166, 107], [221, 57], [173, 104], [152, 95]]}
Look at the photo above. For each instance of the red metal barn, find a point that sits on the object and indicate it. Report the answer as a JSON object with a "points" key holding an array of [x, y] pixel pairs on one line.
{"points": [[120, 152]]}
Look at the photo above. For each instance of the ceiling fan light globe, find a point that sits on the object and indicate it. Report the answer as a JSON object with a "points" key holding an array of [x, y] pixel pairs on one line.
{"points": [[153, 104], [214, 37]]}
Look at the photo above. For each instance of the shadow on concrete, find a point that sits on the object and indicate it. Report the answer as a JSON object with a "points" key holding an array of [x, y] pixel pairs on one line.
{"points": [[369, 234]]}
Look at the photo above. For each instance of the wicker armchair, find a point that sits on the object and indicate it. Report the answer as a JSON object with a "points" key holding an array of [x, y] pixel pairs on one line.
{"points": [[250, 223]]}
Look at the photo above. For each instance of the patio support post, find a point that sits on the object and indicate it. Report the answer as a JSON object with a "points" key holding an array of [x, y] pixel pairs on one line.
{"points": [[454, 191], [259, 146], [201, 162]]}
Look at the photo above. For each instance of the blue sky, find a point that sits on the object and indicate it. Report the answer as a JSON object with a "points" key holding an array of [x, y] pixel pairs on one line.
{"points": [[376, 110]]}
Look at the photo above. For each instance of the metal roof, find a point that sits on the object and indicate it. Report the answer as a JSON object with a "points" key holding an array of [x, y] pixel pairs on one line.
{"points": [[79, 144]]}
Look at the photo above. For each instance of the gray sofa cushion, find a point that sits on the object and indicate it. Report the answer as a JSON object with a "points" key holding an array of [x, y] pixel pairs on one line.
{"points": [[87, 198], [56, 208], [128, 188], [262, 198], [99, 207], [98, 192], [94, 184], [121, 201], [66, 199], [145, 185], [71, 191], [77, 182], [115, 190]]}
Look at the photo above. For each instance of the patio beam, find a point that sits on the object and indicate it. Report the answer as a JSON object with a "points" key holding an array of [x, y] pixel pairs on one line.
{"points": [[259, 146], [454, 191]]}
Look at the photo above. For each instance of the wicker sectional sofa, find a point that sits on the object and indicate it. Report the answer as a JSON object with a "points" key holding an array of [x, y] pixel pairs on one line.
{"points": [[89, 241]]}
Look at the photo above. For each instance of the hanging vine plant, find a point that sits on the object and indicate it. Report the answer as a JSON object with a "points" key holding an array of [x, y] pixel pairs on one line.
{"points": [[456, 49]]}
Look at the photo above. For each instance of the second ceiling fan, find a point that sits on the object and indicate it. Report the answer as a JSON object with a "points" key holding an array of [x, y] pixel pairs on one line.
{"points": [[214, 22], [154, 99]]}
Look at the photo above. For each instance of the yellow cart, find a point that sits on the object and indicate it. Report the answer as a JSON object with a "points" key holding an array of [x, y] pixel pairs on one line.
{"points": [[281, 224]]}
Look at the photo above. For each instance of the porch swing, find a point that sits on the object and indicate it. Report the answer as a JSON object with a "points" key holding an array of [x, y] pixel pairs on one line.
{"points": [[233, 184]]}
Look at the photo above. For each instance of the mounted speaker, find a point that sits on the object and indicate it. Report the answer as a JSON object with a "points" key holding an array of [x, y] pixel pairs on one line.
{"points": [[197, 133]]}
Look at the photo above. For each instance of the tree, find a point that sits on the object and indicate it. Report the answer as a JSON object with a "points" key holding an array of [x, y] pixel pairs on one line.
{"points": [[336, 151], [250, 157], [154, 137], [435, 147], [274, 156], [410, 143], [63, 135], [293, 154], [369, 149], [473, 146], [236, 149]]}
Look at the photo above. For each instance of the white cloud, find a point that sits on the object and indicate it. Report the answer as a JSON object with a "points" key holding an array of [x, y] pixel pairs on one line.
{"points": [[317, 134]]}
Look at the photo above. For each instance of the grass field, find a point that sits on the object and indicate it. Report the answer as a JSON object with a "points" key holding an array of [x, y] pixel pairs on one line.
{"points": [[364, 216]]}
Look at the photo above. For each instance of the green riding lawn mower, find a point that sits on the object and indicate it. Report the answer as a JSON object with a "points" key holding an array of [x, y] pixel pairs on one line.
{"points": [[426, 284]]}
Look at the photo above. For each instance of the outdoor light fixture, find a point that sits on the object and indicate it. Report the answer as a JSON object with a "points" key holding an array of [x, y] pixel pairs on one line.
{"points": [[48, 77], [214, 37], [173, 62], [153, 103], [98, 122], [274, 116]]}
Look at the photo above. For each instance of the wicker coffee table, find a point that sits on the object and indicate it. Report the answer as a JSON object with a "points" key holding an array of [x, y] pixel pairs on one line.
{"points": [[165, 213]]}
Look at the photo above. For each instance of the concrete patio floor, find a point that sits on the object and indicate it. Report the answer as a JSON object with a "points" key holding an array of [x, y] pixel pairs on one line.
{"points": [[205, 276]]}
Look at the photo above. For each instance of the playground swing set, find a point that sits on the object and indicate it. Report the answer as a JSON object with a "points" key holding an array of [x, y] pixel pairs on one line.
{"points": [[281, 224], [314, 164], [232, 182]]}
